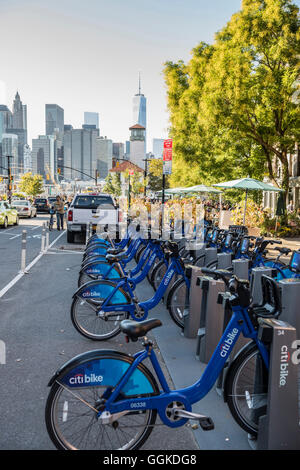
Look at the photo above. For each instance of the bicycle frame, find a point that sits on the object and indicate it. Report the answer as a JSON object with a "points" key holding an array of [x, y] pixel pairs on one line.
{"points": [[238, 324], [173, 268]]}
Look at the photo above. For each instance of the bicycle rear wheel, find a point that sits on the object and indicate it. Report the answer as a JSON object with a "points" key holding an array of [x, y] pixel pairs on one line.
{"points": [[71, 413], [246, 388], [88, 322]]}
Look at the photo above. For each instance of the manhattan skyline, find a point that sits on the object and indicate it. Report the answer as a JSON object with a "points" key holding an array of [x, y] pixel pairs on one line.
{"points": [[87, 56]]}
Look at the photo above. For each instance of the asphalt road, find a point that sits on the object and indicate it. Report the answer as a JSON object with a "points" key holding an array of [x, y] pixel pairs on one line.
{"points": [[36, 328], [11, 242]]}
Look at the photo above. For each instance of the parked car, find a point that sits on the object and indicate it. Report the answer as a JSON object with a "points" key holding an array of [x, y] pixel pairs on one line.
{"points": [[41, 205], [8, 215], [98, 210], [25, 208]]}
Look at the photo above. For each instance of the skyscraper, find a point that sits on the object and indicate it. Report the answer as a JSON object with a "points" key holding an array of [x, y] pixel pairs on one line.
{"points": [[91, 119], [139, 107], [6, 120], [79, 149], [104, 151], [18, 113], [54, 119], [44, 156]]}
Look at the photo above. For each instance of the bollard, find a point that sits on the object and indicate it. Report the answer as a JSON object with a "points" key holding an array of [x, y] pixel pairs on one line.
{"points": [[47, 240], [43, 238], [23, 251], [241, 268]]}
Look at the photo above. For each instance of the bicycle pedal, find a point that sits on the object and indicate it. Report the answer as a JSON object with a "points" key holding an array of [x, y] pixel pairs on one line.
{"points": [[206, 423]]}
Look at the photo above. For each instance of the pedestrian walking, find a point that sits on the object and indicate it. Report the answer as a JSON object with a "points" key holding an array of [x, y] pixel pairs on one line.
{"points": [[60, 210]]}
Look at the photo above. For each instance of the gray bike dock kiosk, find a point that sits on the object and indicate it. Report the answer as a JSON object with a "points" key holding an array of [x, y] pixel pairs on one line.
{"points": [[255, 282], [279, 428], [290, 302], [241, 268], [224, 260]]}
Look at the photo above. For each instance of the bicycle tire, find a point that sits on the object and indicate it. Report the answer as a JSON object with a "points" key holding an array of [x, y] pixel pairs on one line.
{"points": [[200, 261], [176, 302], [139, 252], [59, 423], [212, 264], [92, 318], [246, 388], [158, 274]]}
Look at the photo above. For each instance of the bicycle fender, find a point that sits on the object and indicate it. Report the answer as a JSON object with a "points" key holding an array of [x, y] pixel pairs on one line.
{"points": [[105, 368], [100, 268], [103, 288]]}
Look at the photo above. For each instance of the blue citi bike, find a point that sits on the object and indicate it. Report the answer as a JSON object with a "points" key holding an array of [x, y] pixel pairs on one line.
{"points": [[99, 306], [109, 400]]}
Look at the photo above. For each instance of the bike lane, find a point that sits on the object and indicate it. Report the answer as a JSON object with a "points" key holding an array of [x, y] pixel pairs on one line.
{"points": [[36, 328]]}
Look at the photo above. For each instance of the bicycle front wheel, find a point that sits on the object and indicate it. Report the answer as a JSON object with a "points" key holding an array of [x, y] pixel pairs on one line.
{"points": [[157, 274], [71, 414], [246, 388], [89, 323]]}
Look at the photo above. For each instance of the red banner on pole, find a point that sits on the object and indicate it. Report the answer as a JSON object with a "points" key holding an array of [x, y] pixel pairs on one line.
{"points": [[167, 157]]}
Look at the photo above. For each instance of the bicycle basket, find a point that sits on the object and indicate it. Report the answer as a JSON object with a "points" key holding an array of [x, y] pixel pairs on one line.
{"points": [[295, 262], [271, 304]]}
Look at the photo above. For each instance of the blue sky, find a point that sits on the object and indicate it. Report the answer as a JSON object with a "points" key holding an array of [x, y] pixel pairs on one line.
{"points": [[85, 56]]}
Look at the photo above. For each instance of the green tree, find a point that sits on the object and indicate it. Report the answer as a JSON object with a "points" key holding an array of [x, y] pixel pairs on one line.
{"points": [[231, 107], [113, 184], [155, 173], [32, 185]]}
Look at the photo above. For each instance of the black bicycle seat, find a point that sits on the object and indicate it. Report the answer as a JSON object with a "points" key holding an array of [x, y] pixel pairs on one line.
{"points": [[115, 258], [135, 330], [283, 250]]}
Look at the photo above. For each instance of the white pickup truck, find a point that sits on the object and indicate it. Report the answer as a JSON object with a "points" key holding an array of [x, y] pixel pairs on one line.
{"points": [[98, 210]]}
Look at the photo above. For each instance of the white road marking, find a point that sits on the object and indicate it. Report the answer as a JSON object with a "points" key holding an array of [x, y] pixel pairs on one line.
{"points": [[15, 236], [27, 269]]}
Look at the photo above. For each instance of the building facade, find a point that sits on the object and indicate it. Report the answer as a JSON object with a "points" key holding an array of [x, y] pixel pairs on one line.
{"points": [[80, 152], [91, 119], [54, 115], [104, 150], [44, 156], [137, 153]]}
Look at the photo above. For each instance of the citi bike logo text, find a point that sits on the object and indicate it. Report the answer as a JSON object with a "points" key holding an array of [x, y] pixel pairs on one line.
{"points": [[89, 293], [228, 342], [284, 365], [167, 280], [82, 379]]}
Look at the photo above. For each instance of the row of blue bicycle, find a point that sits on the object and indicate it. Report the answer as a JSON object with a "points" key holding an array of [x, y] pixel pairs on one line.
{"points": [[106, 399]]}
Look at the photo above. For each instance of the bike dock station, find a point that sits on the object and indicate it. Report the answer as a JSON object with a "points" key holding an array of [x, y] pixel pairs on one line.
{"points": [[279, 429], [209, 314]]}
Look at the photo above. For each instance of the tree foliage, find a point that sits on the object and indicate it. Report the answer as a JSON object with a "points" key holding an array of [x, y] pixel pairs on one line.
{"points": [[113, 184], [231, 107], [155, 175], [32, 185]]}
